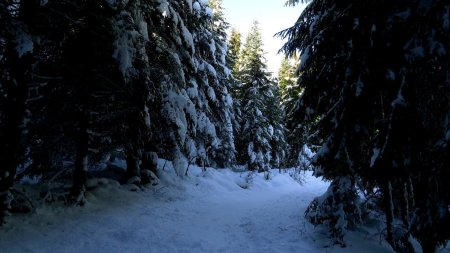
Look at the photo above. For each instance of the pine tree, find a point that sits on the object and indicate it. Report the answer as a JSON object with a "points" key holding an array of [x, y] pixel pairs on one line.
{"points": [[16, 60], [428, 81], [92, 82], [155, 49], [234, 49], [287, 83], [277, 129], [204, 89], [89, 106], [48, 115], [191, 108], [262, 135], [290, 92], [131, 33], [233, 52], [361, 100], [135, 78], [225, 154]]}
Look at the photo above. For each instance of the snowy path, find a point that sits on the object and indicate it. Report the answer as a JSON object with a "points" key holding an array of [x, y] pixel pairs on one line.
{"points": [[201, 213]]}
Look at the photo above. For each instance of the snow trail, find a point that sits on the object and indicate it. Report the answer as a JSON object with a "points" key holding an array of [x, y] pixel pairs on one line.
{"points": [[204, 212]]}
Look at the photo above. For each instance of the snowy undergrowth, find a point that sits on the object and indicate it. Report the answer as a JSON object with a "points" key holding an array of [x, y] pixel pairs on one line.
{"points": [[206, 211]]}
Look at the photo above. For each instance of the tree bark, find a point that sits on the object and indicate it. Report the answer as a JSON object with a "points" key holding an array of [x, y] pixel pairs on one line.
{"points": [[428, 247], [389, 211], [14, 78], [81, 159], [149, 164], [6, 183], [11, 150], [133, 174]]}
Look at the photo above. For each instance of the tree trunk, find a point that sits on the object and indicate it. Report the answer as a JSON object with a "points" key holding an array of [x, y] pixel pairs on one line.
{"points": [[6, 183], [14, 77], [405, 205], [389, 211], [428, 247], [148, 165], [133, 171], [11, 146], [81, 159]]}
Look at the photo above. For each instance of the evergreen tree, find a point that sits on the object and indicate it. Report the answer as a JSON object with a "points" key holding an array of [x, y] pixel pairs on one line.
{"points": [[171, 50], [191, 108], [16, 46], [277, 128], [234, 49], [427, 91], [287, 83], [290, 92], [359, 69], [203, 89], [135, 48], [261, 135], [232, 57], [84, 103], [225, 154], [88, 65]]}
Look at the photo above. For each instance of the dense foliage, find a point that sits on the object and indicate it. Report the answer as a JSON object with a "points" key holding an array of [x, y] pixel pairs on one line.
{"points": [[84, 82], [87, 84], [376, 99], [261, 143]]}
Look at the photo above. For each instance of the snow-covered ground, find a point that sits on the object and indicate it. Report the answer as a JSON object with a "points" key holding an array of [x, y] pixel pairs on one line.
{"points": [[203, 212]]}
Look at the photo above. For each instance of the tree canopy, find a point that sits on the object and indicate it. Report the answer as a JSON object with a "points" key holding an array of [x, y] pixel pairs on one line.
{"points": [[371, 112]]}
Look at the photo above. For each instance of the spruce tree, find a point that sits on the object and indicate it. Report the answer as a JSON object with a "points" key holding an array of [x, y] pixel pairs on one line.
{"points": [[234, 49], [16, 46], [259, 125], [191, 108], [287, 83], [81, 80], [95, 96], [290, 92], [359, 70], [130, 28], [427, 90], [277, 129], [155, 50], [226, 151], [234, 46]]}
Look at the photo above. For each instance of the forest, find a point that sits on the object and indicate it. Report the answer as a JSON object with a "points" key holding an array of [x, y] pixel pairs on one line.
{"points": [[362, 99]]}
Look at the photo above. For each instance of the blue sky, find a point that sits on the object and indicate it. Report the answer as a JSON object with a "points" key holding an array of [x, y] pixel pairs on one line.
{"points": [[272, 16]]}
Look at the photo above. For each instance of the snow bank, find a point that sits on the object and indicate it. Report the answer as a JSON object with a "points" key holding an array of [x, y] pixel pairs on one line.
{"points": [[206, 211]]}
